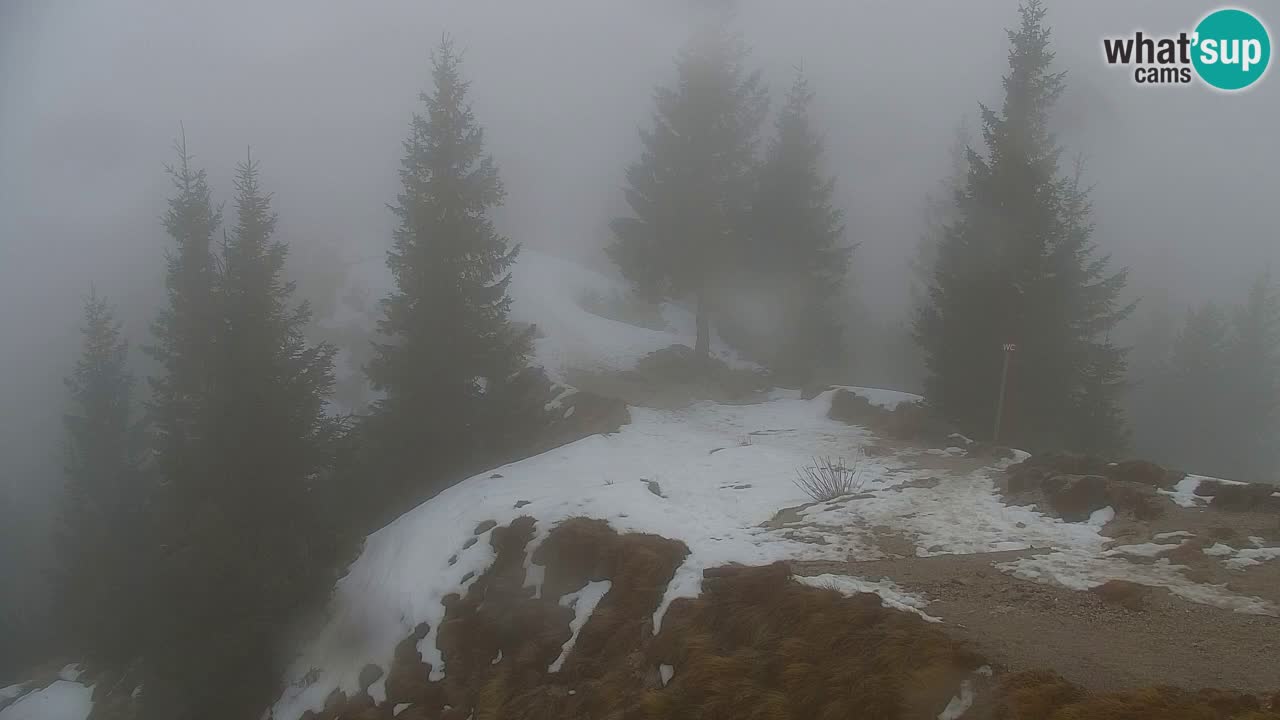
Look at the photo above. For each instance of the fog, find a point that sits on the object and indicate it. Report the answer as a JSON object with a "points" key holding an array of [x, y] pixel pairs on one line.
{"points": [[93, 94]]}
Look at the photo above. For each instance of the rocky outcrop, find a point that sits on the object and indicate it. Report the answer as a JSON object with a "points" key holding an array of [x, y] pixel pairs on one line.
{"points": [[1244, 497], [1073, 487], [908, 422]]}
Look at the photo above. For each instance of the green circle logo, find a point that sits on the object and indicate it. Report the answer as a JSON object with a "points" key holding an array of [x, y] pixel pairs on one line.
{"points": [[1232, 49]]}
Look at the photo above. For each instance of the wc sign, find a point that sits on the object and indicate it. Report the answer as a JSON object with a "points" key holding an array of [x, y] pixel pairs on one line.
{"points": [[1229, 49]]}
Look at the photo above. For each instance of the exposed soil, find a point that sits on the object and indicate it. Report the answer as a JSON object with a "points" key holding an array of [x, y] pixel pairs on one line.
{"points": [[1100, 645]]}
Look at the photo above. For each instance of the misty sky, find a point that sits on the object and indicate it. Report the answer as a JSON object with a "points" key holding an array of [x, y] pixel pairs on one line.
{"points": [[92, 95]]}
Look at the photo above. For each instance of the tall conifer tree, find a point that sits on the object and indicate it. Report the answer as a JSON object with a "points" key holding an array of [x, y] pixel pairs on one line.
{"points": [[449, 343], [796, 251], [1254, 364], [103, 586], [247, 532], [690, 189], [1019, 266]]}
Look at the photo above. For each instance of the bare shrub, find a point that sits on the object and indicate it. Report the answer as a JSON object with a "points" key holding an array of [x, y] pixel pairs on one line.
{"points": [[827, 479]]}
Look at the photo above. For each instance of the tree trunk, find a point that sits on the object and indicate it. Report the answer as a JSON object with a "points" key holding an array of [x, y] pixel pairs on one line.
{"points": [[703, 346]]}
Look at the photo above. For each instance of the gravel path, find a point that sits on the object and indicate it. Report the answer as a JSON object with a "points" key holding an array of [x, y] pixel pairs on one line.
{"points": [[1021, 625]]}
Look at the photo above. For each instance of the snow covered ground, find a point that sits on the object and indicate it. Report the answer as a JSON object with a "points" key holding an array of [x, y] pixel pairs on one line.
{"points": [[719, 474], [63, 699], [715, 477], [548, 292]]}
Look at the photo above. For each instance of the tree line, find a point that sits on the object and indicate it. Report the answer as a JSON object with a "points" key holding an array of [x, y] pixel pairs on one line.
{"points": [[199, 525]]}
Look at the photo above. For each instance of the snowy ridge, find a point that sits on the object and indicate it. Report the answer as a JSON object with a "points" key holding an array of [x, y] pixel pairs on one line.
{"points": [[725, 472]]}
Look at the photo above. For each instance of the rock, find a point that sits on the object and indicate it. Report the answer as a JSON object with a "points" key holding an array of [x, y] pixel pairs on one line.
{"points": [[1146, 473], [369, 674], [809, 392], [1075, 497], [485, 527], [852, 408], [1061, 463], [1129, 595], [917, 422], [1251, 497]]}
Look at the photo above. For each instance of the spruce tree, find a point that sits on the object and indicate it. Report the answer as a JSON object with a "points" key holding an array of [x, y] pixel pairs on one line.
{"points": [[795, 250], [1149, 376], [1018, 266], [249, 535], [1196, 397], [184, 343], [185, 331], [940, 211], [690, 189], [1254, 384], [103, 582], [450, 345]]}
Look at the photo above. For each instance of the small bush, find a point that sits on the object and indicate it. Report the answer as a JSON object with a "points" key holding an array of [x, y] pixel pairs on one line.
{"points": [[828, 480]]}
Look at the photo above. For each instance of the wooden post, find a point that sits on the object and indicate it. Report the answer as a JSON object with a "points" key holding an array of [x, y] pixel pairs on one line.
{"points": [[1004, 380]]}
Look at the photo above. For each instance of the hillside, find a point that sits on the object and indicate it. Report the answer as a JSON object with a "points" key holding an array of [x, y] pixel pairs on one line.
{"points": [[929, 529], [675, 569]]}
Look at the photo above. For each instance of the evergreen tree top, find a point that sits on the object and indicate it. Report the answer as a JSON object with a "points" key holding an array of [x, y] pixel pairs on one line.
{"points": [[100, 374], [191, 216], [1031, 89], [255, 218]]}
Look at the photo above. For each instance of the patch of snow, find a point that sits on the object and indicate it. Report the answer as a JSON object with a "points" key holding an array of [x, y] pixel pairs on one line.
{"points": [[1142, 550], [881, 398], [891, 595], [534, 575], [959, 704], [666, 672], [1174, 534], [497, 658], [1219, 550], [1184, 493], [399, 708], [583, 603], [1102, 516], [985, 671], [962, 515], [70, 672], [1248, 557], [1082, 570], [546, 292], [557, 402], [61, 700]]}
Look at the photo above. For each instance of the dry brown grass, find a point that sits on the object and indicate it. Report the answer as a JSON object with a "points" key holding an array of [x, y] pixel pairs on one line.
{"points": [[1046, 696], [753, 645], [756, 645]]}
